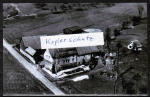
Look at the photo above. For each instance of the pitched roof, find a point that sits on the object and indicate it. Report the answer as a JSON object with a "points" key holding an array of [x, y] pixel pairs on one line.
{"points": [[59, 53], [30, 50], [53, 52], [77, 51], [87, 50], [32, 41]]}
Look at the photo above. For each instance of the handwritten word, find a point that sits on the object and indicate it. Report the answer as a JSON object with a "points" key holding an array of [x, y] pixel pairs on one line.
{"points": [[72, 40], [49, 41]]}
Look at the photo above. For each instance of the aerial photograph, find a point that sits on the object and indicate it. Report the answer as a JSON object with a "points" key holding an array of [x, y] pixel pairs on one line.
{"points": [[118, 67]]}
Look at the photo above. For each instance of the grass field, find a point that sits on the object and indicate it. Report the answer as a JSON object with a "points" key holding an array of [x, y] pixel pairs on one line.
{"points": [[17, 80]]}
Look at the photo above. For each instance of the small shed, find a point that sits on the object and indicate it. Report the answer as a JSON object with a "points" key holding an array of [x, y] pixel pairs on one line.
{"points": [[72, 30], [30, 50]]}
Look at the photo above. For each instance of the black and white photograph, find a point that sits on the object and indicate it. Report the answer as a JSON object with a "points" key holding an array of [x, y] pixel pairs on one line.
{"points": [[52, 49]]}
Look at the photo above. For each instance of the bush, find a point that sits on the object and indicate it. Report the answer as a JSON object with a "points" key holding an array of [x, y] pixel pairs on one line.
{"points": [[39, 5], [107, 34], [136, 20], [92, 74], [69, 6], [63, 7], [5, 14], [10, 11], [96, 74], [102, 73], [116, 32], [127, 23]]}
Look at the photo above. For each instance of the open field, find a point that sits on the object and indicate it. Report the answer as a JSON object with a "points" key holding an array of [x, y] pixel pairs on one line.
{"points": [[99, 18], [53, 24], [16, 80]]}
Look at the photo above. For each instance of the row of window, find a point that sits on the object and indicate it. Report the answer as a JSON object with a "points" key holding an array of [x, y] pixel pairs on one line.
{"points": [[68, 60]]}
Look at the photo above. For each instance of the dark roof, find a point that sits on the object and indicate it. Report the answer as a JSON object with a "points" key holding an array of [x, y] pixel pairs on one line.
{"points": [[32, 41], [87, 50], [55, 53], [66, 49], [73, 51], [74, 28]]}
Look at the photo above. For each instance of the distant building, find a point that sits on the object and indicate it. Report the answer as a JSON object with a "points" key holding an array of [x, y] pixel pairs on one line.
{"points": [[72, 30]]}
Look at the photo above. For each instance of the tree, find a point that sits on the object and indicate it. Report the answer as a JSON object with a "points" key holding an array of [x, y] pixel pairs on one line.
{"points": [[116, 32], [127, 23], [70, 7], [63, 6], [12, 11], [118, 45], [55, 8], [107, 37], [140, 9], [40, 5]]}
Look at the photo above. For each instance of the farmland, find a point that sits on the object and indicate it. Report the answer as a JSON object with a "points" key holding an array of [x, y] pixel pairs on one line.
{"points": [[16, 80], [99, 17]]}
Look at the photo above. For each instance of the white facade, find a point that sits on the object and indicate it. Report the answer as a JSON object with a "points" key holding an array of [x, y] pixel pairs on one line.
{"points": [[65, 60], [47, 56], [85, 57]]}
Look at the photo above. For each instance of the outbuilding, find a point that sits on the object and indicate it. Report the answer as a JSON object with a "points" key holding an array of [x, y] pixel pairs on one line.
{"points": [[72, 30]]}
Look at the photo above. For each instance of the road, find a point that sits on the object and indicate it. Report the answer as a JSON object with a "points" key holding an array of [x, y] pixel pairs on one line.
{"points": [[33, 70]]}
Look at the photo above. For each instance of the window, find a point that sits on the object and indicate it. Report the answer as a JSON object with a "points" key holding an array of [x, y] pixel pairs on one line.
{"points": [[47, 56], [66, 61], [72, 59]]}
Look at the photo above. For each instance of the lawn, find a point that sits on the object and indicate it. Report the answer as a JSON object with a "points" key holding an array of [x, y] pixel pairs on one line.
{"points": [[89, 86]]}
